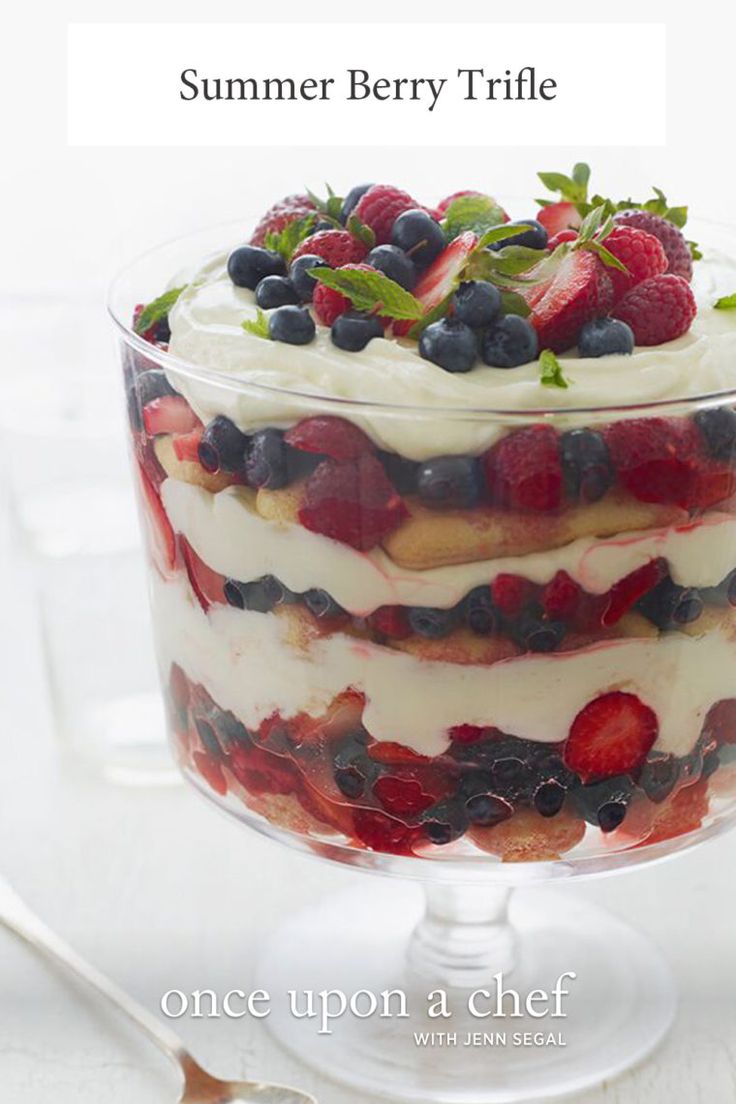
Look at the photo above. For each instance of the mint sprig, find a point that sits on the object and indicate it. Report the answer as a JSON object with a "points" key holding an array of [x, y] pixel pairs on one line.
{"points": [[157, 309], [478, 213], [329, 208], [360, 231], [293, 234], [572, 189], [550, 371], [371, 291], [726, 302], [595, 228], [258, 326]]}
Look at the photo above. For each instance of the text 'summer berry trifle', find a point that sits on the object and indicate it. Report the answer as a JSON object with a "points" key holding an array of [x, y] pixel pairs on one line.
{"points": [[442, 515]]}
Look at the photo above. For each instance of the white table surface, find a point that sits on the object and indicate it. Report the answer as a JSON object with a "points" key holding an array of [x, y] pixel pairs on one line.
{"points": [[161, 893]]}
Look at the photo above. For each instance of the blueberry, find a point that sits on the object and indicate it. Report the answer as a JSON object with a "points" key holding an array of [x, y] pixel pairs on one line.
{"points": [[231, 730], [151, 385], [667, 605], [449, 344], [477, 303], [419, 235], [350, 782], [353, 330], [509, 342], [605, 337], [247, 265], [549, 798], [162, 330], [301, 281], [353, 767], [267, 462], [510, 774], [536, 634], [394, 263], [259, 596], [223, 447], [207, 735], [532, 235], [486, 809], [293, 325], [450, 482], [480, 614], [403, 473], [430, 622], [658, 777], [351, 200], [718, 427], [321, 604], [444, 822], [275, 291], [605, 800], [711, 763], [322, 224], [586, 465]]}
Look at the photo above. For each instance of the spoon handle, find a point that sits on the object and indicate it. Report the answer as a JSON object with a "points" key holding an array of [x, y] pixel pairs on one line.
{"points": [[17, 916]]}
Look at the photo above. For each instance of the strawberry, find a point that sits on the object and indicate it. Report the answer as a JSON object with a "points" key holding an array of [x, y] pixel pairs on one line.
{"points": [[561, 597], [679, 257], [336, 247], [206, 583], [442, 276], [329, 304], [392, 754], [627, 591], [402, 796], [329, 435], [642, 254], [279, 216], [162, 542], [510, 593], [579, 291], [352, 502], [186, 445], [390, 621], [720, 722], [261, 772], [523, 470], [561, 238], [212, 772], [445, 203], [466, 734], [659, 309], [612, 734], [169, 414], [380, 207], [556, 218], [380, 832]]}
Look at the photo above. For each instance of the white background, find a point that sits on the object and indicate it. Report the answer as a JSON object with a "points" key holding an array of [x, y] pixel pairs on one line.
{"points": [[151, 884]]}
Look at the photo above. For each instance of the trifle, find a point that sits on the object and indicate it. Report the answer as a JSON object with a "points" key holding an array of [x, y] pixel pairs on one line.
{"points": [[441, 515]]}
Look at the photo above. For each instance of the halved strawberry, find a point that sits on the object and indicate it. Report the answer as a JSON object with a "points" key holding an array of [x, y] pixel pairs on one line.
{"points": [[613, 734], [623, 594], [186, 445], [206, 583], [162, 542], [331, 436], [169, 414], [442, 276], [393, 754], [579, 291], [558, 217]]}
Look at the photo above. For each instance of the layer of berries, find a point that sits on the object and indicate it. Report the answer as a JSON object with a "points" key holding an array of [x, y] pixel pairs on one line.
{"points": [[354, 492], [534, 618], [388, 798]]}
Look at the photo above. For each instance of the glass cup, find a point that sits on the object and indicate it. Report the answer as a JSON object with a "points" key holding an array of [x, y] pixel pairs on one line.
{"points": [[475, 648]]}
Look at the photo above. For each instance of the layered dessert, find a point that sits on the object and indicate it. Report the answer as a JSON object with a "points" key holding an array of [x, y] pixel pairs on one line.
{"points": [[442, 528]]}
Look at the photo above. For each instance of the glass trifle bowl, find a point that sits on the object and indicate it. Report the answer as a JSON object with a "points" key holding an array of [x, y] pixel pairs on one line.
{"points": [[471, 628]]}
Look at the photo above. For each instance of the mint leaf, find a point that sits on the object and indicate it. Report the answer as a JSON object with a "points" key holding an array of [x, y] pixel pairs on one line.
{"points": [[516, 259], [478, 213], [156, 310], [550, 370], [497, 234], [726, 302], [432, 315], [258, 326], [330, 207], [360, 231], [513, 303], [572, 189], [286, 241], [371, 291]]}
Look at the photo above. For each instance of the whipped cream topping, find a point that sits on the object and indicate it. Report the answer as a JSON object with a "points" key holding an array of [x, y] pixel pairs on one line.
{"points": [[246, 661], [206, 330], [227, 533]]}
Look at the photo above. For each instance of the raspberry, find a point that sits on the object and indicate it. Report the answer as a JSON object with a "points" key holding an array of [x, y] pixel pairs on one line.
{"points": [[642, 253], [352, 502], [510, 593], [331, 436], [660, 309], [402, 796], [466, 733], [720, 723], [613, 734], [382, 833], [287, 210], [560, 597], [380, 207], [524, 472], [391, 621], [679, 257], [336, 247], [329, 304]]}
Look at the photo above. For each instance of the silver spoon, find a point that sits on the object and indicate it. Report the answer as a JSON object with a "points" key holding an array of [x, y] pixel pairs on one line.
{"points": [[200, 1087]]}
